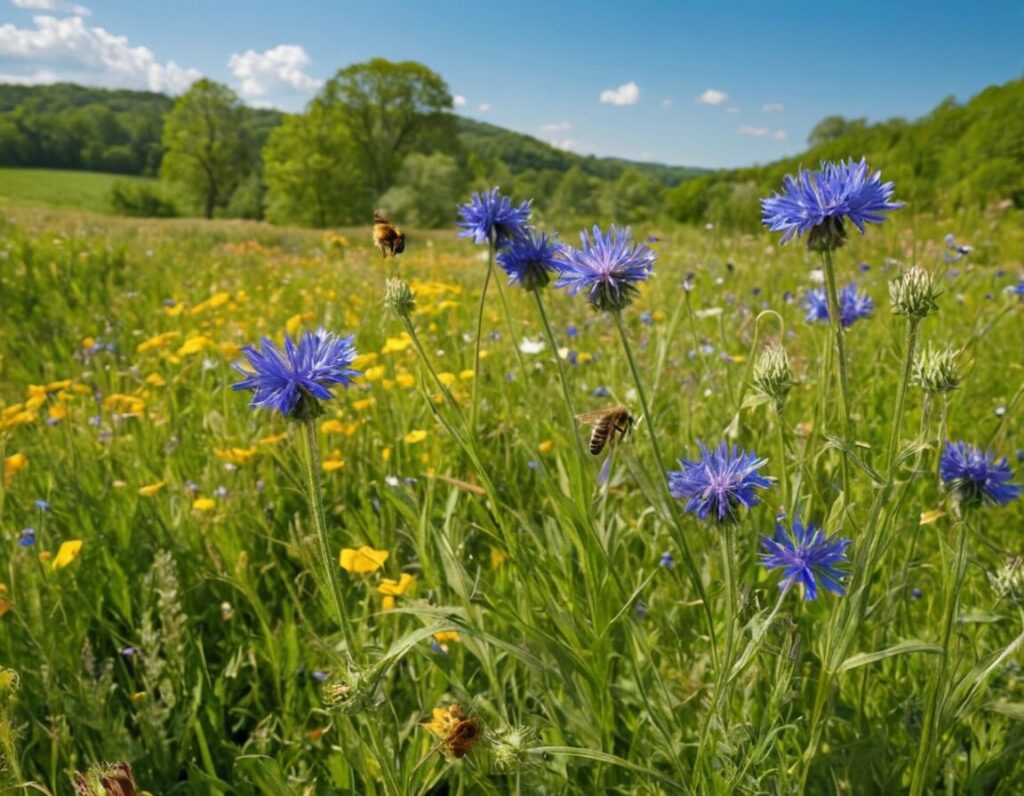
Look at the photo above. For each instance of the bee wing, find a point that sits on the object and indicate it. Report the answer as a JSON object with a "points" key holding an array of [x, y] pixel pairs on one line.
{"points": [[593, 418]]}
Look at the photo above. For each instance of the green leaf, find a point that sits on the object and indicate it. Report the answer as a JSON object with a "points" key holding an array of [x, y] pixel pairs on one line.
{"points": [[903, 648]]}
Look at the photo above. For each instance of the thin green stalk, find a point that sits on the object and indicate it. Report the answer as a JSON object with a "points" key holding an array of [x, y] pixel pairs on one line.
{"points": [[680, 535], [696, 339], [314, 493], [840, 338], [513, 337], [780, 431], [922, 764], [901, 395], [474, 408], [562, 379]]}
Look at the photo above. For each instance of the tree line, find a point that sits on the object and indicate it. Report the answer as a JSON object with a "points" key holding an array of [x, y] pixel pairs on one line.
{"points": [[382, 134]]}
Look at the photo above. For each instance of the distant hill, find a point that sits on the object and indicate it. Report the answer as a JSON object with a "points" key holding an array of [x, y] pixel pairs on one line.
{"points": [[67, 126], [521, 152], [967, 154]]}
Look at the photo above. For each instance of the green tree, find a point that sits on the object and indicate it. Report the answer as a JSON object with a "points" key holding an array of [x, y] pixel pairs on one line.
{"points": [[391, 110], [204, 149], [313, 173], [834, 127], [428, 191]]}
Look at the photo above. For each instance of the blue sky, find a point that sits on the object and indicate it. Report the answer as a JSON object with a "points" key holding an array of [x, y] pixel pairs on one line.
{"points": [[691, 83]]}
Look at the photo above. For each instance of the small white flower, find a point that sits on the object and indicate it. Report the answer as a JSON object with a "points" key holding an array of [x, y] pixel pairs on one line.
{"points": [[531, 346]]}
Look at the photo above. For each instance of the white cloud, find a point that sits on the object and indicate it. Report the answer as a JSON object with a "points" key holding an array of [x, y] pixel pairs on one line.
{"points": [[773, 107], [780, 135], [732, 110], [484, 107], [274, 71], [556, 128], [757, 132], [458, 100], [626, 94], [69, 50], [568, 144], [666, 103], [712, 97], [53, 5]]}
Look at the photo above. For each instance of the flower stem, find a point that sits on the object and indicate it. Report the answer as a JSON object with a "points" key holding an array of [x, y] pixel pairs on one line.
{"points": [[479, 332], [840, 338], [679, 534], [783, 475], [513, 337], [922, 764], [563, 380], [314, 494], [897, 420]]}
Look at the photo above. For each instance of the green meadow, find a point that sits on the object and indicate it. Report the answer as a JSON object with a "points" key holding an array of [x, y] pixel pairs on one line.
{"points": [[163, 599]]}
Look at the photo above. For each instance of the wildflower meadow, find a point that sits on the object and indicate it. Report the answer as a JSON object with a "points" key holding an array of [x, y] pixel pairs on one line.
{"points": [[283, 515]]}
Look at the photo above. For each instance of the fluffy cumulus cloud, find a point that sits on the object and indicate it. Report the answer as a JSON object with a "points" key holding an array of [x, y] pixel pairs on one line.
{"points": [[556, 127], [567, 144], [68, 49], [52, 5], [280, 70], [712, 97], [484, 107], [626, 94], [458, 101], [762, 132]]}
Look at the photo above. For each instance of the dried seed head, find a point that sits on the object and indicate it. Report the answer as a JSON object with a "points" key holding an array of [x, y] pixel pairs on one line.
{"points": [[914, 294]]}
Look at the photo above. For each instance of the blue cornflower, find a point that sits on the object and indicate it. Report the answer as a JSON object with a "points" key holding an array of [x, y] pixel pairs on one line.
{"points": [[817, 202], [43, 505], [646, 318], [607, 266], [27, 537], [719, 483], [529, 260], [806, 556], [974, 477], [490, 217], [666, 560], [572, 331], [281, 380], [853, 305]]}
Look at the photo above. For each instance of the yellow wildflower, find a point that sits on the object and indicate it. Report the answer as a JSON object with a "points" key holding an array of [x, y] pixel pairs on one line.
{"points": [[58, 412], [194, 344], [237, 456], [68, 552], [20, 418], [151, 489], [204, 504], [330, 465], [273, 439], [293, 324], [228, 349], [546, 446], [363, 403], [362, 360], [446, 635], [363, 560], [394, 588], [214, 301], [88, 342], [157, 341], [375, 373], [405, 380], [928, 517], [447, 379], [56, 386], [13, 464], [466, 375], [497, 558], [417, 435], [385, 454], [394, 345], [156, 380]]}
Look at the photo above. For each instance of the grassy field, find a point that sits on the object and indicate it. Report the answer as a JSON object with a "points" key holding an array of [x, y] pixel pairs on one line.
{"points": [[189, 635], [77, 190]]}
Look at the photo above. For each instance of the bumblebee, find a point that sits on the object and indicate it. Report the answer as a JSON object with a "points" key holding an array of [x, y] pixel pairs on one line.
{"points": [[389, 240]]}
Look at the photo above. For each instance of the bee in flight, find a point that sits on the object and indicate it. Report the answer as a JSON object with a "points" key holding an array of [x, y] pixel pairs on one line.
{"points": [[608, 425], [388, 239]]}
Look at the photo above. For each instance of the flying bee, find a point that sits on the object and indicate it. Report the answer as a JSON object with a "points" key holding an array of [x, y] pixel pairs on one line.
{"points": [[608, 425], [388, 239]]}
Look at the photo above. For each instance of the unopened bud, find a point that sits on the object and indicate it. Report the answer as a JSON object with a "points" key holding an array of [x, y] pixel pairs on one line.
{"points": [[399, 298], [913, 294]]}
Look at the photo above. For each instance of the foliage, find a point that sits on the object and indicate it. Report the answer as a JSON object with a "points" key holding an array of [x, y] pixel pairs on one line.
{"points": [[189, 637], [204, 144], [142, 200]]}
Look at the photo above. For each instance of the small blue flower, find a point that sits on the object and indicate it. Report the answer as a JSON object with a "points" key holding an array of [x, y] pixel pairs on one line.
{"points": [[719, 483], [319, 675], [853, 305], [806, 557], [42, 505], [221, 491], [975, 478], [666, 560], [917, 594], [27, 537], [95, 420], [817, 202], [491, 216], [281, 380], [601, 392], [646, 318], [641, 609], [571, 331], [529, 260], [533, 464], [608, 267], [129, 652]]}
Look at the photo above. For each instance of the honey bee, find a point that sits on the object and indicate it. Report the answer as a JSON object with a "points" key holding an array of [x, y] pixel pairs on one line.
{"points": [[608, 424], [388, 239], [463, 735]]}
